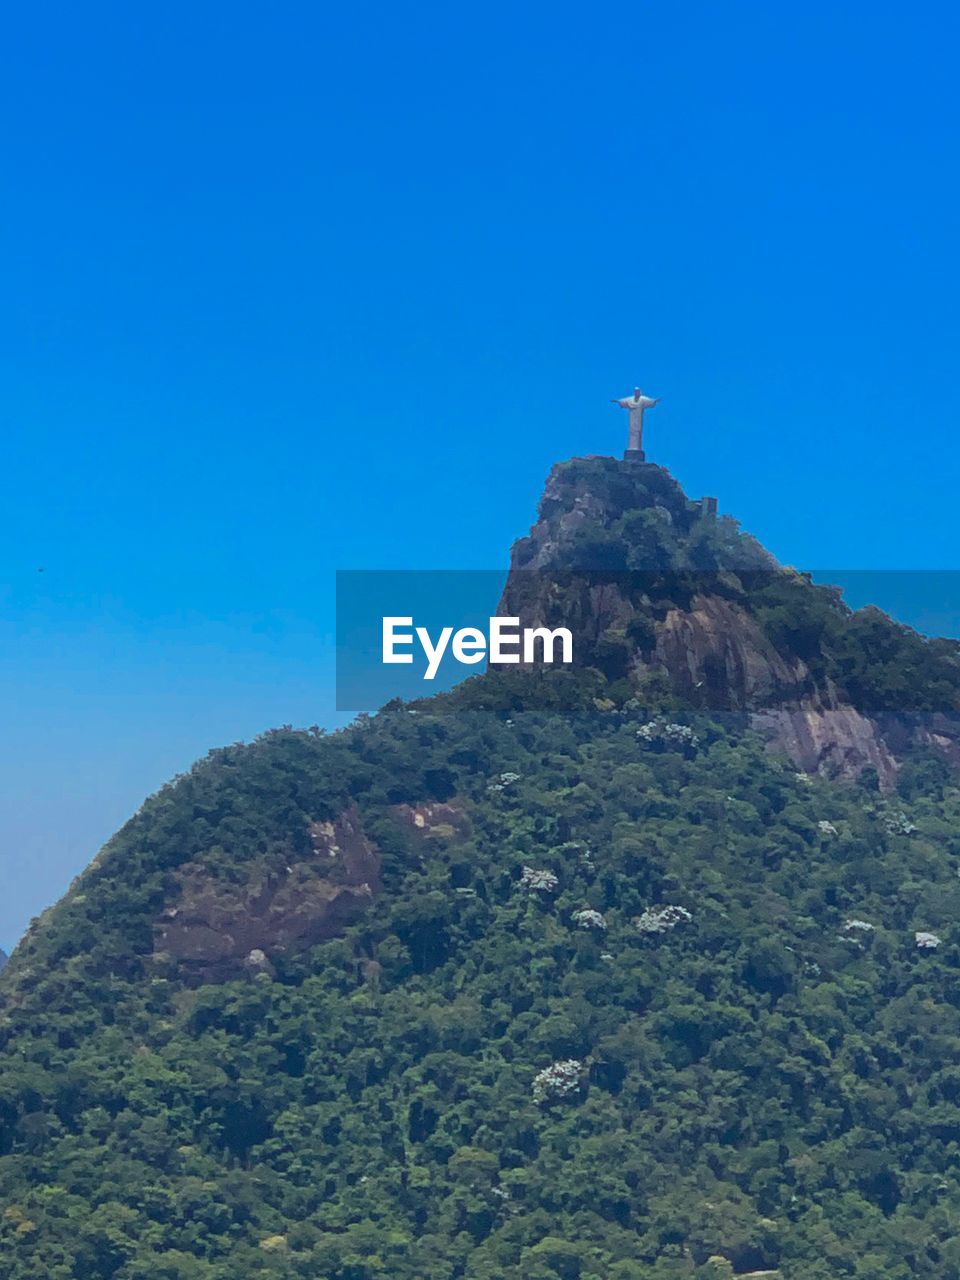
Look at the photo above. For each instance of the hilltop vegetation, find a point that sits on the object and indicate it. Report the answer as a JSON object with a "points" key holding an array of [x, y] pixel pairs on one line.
{"points": [[758, 1080], [559, 976]]}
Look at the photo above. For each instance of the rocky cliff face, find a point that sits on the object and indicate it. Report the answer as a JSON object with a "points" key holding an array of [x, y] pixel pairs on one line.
{"points": [[216, 928], [651, 586], [716, 648]]}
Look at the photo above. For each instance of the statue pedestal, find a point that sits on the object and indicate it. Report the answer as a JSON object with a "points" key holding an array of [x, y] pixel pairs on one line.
{"points": [[634, 455]]}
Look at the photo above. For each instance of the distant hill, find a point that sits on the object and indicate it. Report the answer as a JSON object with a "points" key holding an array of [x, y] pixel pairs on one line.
{"points": [[643, 969]]}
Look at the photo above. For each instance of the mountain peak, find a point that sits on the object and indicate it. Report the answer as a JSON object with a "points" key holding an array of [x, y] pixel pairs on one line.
{"points": [[603, 513], [662, 593]]}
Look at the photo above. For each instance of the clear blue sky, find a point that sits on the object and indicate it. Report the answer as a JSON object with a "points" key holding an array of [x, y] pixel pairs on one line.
{"points": [[296, 288]]}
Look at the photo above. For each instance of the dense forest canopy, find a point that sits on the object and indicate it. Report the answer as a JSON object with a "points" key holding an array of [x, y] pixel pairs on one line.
{"points": [[549, 978]]}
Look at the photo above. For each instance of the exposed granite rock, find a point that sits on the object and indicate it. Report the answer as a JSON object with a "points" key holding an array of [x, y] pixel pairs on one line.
{"points": [[562, 517], [939, 730], [715, 649], [434, 821], [837, 741], [716, 655], [610, 538], [217, 929]]}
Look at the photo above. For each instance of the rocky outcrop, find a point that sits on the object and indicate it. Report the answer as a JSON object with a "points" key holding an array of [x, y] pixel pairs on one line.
{"points": [[434, 821], [587, 497], [717, 656], [836, 741], [564, 514], [651, 587], [217, 929]]}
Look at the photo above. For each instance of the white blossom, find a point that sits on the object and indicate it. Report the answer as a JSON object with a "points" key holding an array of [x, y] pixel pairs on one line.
{"points": [[927, 941], [662, 919], [538, 879], [663, 734], [503, 781], [559, 1080], [898, 824], [587, 918]]}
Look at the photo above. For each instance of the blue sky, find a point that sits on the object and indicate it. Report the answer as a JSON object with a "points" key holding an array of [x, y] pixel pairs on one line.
{"points": [[319, 287]]}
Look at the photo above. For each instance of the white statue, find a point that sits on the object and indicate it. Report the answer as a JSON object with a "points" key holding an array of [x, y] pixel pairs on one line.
{"points": [[635, 405]]}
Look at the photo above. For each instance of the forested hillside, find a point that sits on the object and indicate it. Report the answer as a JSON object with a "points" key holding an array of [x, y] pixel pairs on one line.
{"points": [[550, 978]]}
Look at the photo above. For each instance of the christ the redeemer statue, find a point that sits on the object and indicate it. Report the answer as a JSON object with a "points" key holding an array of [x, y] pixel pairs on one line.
{"points": [[635, 405]]}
